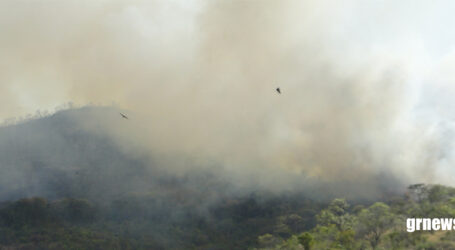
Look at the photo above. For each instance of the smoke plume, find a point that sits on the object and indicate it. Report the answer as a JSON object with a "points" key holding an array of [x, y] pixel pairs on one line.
{"points": [[357, 113]]}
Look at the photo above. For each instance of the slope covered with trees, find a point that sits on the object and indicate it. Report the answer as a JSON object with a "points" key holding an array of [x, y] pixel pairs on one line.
{"points": [[254, 222], [66, 187], [380, 225]]}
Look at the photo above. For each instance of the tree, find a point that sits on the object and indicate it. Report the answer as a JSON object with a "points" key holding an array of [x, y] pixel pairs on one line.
{"points": [[307, 240], [336, 214], [269, 241], [374, 222], [335, 225]]}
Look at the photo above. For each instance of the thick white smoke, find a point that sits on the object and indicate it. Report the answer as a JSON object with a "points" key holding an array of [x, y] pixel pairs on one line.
{"points": [[366, 84]]}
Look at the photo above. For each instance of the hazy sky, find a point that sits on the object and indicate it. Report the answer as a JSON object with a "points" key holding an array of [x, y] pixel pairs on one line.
{"points": [[367, 85]]}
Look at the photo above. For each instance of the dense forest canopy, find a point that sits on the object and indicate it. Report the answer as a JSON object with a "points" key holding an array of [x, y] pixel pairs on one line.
{"points": [[255, 222]]}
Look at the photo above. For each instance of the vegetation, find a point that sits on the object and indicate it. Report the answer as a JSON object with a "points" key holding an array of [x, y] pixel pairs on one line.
{"points": [[148, 222], [253, 222], [380, 225]]}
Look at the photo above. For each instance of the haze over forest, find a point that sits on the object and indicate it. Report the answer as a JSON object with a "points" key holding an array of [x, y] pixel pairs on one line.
{"points": [[366, 85], [365, 107]]}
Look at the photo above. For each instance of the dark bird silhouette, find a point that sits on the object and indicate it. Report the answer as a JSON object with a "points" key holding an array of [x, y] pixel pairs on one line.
{"points": [[124, 116], [278, 90]]}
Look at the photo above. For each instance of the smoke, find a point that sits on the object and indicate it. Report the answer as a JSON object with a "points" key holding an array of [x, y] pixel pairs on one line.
{"points": [[197, 81]]}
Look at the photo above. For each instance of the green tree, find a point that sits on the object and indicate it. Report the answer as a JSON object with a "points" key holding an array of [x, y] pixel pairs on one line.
{"points": [[336, 214], [269, 241], [307, 240], [335, 227], [374, 222]]}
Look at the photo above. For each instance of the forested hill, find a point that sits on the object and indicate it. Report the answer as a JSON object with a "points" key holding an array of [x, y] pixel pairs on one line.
{"points": [[286, 222], [65, 187], [54, 157], [58, 179]]}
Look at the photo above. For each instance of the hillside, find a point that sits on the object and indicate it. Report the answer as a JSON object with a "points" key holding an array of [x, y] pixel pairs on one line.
{"points": [[286, 222], [64, 186]]}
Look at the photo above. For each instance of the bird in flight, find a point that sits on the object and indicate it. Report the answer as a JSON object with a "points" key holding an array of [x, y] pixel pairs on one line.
{"points": [[124, 116], [278, 90]]}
